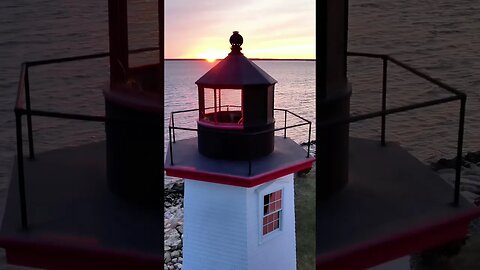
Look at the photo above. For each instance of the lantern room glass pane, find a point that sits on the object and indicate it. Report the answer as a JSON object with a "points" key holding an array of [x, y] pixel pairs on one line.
{"points": [[209, 100], [231, 99], [223, 106]]}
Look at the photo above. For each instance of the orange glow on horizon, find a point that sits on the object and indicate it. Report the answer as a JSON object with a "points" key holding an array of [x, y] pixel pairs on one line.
{"points": [[211, 55], [295, 49]]}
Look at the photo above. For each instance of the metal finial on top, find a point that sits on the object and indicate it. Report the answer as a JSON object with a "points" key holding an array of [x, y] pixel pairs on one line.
{"points": [[236, 40]]}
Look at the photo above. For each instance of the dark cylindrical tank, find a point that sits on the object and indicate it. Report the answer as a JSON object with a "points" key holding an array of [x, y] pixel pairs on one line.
{"points": [[135, 140], [244, 144], [332, 143]]}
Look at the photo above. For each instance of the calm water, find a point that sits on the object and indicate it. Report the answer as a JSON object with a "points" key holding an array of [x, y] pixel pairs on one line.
{"points": [[439, 37]]}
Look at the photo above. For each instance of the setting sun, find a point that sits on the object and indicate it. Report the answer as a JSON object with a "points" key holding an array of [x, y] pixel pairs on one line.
{"points": [[212, 56]]}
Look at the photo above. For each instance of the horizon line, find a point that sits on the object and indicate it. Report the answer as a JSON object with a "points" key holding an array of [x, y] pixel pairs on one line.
{"points": [[263, 59]]}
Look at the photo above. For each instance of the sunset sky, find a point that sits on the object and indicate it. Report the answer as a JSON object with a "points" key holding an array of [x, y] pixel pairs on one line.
{"points": [[270, 28]]}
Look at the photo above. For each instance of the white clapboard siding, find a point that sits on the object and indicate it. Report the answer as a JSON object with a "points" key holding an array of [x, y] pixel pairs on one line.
{"points": [[277, 251], [222, 227]]}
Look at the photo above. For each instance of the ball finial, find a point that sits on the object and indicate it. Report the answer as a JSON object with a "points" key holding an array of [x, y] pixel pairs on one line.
{"points": [[236, 40]]}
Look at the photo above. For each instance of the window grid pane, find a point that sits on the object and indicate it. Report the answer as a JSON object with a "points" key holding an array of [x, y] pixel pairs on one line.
{"points": [[272, 206]]}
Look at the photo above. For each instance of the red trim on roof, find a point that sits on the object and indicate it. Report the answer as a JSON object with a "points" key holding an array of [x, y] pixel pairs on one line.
{"points": [[377, 251], [58, 255], [233, 180]]}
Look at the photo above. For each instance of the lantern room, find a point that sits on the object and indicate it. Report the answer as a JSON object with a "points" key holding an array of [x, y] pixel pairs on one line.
{"points": [[236, 105]]}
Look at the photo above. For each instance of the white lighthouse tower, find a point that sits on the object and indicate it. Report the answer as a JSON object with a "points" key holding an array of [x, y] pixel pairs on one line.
{"points": [[239, 196]]}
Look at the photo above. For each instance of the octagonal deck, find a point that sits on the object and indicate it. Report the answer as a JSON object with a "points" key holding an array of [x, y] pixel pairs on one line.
{"points": [[75, 222], [288, 157], [392, 206]]}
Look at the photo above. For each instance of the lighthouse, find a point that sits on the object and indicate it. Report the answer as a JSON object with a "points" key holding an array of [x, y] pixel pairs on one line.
{"points": [[239, 210]]}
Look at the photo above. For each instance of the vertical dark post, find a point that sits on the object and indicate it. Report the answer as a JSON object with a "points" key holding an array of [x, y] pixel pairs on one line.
{"points": [[458, 169], [384, 98], [29, 115], [215, 104], [249, 155], [161, 39], [309, 138], [173, 125], [285, 130], [161, 73], [201, 103], [118, 35], [21, 176], [171, 146], [220, 100], [249, 167], [333, 93]]}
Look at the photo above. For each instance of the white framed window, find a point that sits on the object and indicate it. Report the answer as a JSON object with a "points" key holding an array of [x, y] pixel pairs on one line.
{"points": [[271, 212]]}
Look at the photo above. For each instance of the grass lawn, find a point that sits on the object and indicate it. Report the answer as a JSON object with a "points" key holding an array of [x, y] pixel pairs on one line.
{"points": [[305, 220]]}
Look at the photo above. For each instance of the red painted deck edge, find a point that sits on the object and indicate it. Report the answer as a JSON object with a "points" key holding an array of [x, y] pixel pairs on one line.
{"points": [[240, 181], [52, 255], [375, 252]]}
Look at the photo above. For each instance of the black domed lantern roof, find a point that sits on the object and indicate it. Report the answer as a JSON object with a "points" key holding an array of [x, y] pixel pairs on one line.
{"points": [[235, 108]]}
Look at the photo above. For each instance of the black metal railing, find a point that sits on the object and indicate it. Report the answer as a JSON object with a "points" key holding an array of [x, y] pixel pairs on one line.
{"points": [[23, 106], [172, 128], [457, 96]]}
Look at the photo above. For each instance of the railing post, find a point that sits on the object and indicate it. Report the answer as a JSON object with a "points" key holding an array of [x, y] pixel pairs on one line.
{"points": [[285, 126], [458, 169], [171, 145], [249, 155], [309, 134], [249, 167], [29, 115], [173, 125], [215, 105], [384, 98], [21, 175]]}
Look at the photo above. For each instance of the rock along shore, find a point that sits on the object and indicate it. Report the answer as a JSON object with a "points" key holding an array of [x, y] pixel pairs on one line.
{"points": [[470, 177], [173, 225]]}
